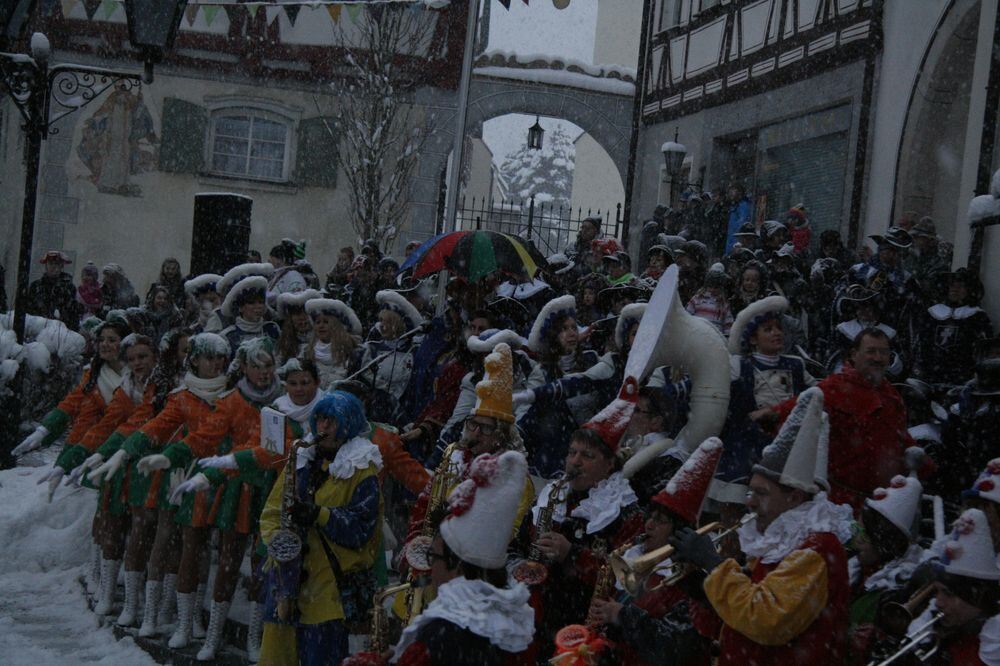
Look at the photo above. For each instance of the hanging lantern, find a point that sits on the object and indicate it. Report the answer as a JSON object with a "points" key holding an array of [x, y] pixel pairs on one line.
{"points": [[535, 135]]}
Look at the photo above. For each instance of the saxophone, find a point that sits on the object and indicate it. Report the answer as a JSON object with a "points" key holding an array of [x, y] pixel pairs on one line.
{"points": [[532, 571], [285, 545], [378, 635], [419, 547]]}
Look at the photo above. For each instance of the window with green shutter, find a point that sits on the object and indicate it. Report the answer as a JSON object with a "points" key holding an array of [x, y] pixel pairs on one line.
{"points": [[316, 158], [250, 143], [182, 144]]}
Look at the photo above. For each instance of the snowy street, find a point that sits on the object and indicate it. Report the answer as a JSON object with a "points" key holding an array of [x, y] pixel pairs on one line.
{"points": [[43, 613]]}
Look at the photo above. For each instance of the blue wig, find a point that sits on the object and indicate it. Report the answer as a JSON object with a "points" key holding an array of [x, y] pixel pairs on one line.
{"points": [[346, 409]]}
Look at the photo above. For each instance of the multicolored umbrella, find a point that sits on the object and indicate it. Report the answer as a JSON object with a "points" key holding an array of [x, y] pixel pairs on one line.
{"points": [[473, 255]]}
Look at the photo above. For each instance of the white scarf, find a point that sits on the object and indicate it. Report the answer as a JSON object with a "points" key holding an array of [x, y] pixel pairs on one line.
{"points": [[322, 353], [258, 396], [206, 389], [250, 326], [355, 454], [895, 573], [600, 508], [108, 381], [133, 389], [791, 528], [503, 616], [298, 413]]}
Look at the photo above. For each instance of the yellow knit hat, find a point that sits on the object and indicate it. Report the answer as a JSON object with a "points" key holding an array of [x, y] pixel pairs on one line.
{"points": [[494, 391]]}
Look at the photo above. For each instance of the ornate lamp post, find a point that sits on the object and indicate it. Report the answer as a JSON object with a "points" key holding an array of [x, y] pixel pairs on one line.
{"points": [[673, 157], [535, 135], [45, 94]]}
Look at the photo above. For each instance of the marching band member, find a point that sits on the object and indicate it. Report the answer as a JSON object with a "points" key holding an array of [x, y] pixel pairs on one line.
{"points": [[475, 618], [336, 504], [792, 607], [663, 624]]}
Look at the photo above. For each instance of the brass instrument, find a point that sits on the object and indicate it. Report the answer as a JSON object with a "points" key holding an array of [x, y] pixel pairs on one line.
{"points": [[285, 545], [378, 635], [894, 618], [533, 571], [418, 547], [605, 578], [922, 643], [632, 574]]}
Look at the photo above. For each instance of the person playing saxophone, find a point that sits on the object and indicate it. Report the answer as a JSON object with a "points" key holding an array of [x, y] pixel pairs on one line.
{"points": [[336, 506]]}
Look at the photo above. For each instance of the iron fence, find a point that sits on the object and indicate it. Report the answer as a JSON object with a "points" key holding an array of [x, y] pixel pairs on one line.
{"points": [[552, 228]]}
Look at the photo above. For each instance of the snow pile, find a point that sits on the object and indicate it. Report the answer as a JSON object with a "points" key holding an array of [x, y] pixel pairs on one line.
{"points": [[499, 57], [43, 613], [986, 205]]}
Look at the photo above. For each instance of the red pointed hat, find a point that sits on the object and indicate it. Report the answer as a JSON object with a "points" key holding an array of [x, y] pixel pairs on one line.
{"points": [[685, 492], [612, 421]]}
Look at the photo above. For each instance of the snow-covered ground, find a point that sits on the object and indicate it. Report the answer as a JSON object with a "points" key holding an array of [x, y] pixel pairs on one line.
{"points": [[44, 549]]}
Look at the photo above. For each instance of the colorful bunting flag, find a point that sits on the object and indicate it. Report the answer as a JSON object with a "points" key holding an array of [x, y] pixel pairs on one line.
{"points": [[108, 8], [353, 11], [292, 12], [209, 12], [334, 12], [252, 9], [272, 13], [191, 13], [67, 7], [90, 6]]}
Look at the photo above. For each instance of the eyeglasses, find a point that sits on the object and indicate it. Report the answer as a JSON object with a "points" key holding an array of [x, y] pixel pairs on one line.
{"points": [[476, 426]]}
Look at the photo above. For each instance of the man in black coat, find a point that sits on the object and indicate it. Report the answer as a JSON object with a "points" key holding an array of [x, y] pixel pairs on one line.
{"points": [[53, 295]]}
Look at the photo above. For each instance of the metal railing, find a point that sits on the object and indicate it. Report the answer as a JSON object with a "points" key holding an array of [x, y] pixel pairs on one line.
{"points": [[552, 228]]}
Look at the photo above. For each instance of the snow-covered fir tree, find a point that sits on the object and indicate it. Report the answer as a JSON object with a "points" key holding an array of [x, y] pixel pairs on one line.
{"points": [[545, 174]]}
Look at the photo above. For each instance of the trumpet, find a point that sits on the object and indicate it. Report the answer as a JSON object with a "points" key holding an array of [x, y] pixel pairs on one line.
{"points": [[894, 617], [922, 643], [631, 573]]}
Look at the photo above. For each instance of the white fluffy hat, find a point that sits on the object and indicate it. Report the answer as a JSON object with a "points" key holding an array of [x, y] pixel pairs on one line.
{"points": [[750, 318], [240, 290], [987, 486], [295, 299], [483, 508], [391, 300], [798, 455], [335, 308], [485, 342], [201, 283], [564, 263], [630, 316], [527, 290], [969, 550], [899, 503], [557, 307], [237, 273]]}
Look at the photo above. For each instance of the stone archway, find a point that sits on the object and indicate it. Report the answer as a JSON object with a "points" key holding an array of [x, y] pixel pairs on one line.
{"points": [[606, 116], [929, 167]]}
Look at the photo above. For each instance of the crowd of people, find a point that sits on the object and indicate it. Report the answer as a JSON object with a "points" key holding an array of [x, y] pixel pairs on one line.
{"points": [[752, 448]]}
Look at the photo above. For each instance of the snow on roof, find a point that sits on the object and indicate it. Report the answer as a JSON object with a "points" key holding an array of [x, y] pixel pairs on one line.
{"points": [[560, 78], [223, 194], [495, 57]]}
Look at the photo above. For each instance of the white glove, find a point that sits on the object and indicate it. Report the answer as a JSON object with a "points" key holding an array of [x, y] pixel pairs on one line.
{"points": [[523, 397], [90, 463], [31, 442], [150, 464], [53, 477], [110, 468], [227, 461], [195, 484]]}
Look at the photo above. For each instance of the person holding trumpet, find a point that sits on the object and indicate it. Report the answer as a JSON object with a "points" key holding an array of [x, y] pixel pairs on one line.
{"points": [[661, 623], [790, 604]]}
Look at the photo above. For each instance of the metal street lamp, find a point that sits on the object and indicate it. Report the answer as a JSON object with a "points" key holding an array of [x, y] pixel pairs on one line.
{"points": [[673, 157], [535, 135], [44, 95]]}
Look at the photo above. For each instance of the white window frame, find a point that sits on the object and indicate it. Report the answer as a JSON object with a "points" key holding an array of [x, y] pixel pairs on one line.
{"points": [[252, 113]]}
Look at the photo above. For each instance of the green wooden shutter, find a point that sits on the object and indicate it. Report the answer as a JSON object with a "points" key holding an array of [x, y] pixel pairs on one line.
{"points": [[316, 158], [182, 148]]}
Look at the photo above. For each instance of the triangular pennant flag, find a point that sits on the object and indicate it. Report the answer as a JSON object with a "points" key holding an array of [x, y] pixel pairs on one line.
{"points": [[353, 11], [209, 12], [292, 12], [191, 13], [67, 7], [272, 13], [91, 7], [334, 12], [506, 4], [108, 8], [252, 9]]}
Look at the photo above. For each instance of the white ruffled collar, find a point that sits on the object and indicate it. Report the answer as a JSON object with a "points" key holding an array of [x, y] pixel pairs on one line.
{"points": [[943, 312], [791, 528], [989, 641], [895, 573], [503, 616], [604, 502], [355, 454]]}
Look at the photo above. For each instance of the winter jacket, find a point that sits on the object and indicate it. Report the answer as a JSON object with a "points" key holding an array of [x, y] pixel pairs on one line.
{"points": [[117, 412], [285, 279], [946, 343], [970, 439], [443, 643], [791, 612], [81, 408], [868, 435], [54, 298], [391, 374], [740, 213], [236, 336]]}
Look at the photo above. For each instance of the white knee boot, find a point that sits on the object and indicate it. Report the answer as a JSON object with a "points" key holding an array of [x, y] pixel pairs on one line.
{"points": [[133, 583], [213, 639], [154, 592], [182, 634], [109, 585], [254, 630], [169, 600], [93, 578], [197, 623]]}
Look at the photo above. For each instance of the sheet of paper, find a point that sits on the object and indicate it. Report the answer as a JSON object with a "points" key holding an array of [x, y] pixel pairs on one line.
{"points": [[272, 430]]}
